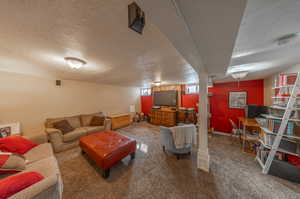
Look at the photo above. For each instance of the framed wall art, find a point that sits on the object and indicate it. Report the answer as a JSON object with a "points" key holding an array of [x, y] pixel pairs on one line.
{"points": [[238, 99], [9, 129]]}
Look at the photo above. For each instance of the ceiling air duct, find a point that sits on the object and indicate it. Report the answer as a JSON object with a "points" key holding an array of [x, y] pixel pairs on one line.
{"points": [[136, 18]]}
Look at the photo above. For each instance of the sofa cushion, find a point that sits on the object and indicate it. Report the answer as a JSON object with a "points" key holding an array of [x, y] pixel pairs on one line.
{"points": [[16, 144], [74, 121], [49, 122], [86, 119], [11, 163], [64, 126], [39, 152], [74, 135], [13, 184], [47, 167], [97, 121], [94, 129]]}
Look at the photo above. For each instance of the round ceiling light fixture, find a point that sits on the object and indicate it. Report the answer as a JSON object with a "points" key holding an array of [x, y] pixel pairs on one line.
{"points": [[74, 62], [239, 74], [157, 83]]}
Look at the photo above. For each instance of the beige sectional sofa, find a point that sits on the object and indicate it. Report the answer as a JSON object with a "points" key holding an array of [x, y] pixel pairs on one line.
{"points": [[81, 123], [42, 160]]}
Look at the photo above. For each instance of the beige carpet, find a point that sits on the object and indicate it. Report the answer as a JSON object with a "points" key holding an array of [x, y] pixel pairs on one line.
{"points": [[155, 174]]}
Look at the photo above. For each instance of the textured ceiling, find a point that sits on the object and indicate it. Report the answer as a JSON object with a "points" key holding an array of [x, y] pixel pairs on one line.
{"points": [[263, 22], [37, 35]]}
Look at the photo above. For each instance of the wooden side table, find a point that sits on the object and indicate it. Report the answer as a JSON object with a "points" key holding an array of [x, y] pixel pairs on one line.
{"points": [[120, 120]]}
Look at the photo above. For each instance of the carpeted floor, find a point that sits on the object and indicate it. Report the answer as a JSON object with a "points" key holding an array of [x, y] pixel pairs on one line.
{"points": [[155, 174]]}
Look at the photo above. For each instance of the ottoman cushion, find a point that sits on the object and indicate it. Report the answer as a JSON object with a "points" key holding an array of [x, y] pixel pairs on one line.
{"points": [[107, 148]]}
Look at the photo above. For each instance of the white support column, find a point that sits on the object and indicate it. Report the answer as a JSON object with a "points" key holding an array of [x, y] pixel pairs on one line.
{"points": [[203, 154]]}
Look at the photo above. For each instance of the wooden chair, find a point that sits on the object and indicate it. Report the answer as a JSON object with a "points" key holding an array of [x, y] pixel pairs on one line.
{"points": [[235, 131]]}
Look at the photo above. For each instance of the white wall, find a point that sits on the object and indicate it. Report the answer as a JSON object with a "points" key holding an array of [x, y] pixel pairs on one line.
{"points": [[268, 91], [30, 100]]}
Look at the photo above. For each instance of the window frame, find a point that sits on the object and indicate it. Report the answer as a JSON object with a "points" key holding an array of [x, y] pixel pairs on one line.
{"points": [[195, 89], [145, 92]]}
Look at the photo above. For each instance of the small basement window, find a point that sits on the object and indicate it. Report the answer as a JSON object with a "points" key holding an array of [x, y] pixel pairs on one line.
{"points": [[192, 89], [145, 91]]}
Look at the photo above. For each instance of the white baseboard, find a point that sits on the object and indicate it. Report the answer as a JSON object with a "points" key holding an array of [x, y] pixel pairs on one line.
{"points": [[221, 133]]}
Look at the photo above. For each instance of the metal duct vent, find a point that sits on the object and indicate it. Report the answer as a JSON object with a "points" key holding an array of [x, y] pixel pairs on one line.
{"points": [[286, 38]]}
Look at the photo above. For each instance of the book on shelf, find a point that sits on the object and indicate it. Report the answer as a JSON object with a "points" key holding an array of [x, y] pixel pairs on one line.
{"points": [[263, 154], [291, 79], [292, 129], [289, 146], [285, 79]]}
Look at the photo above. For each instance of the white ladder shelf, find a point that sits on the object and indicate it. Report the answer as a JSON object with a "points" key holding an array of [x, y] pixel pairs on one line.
{"points": [[284, 121]]}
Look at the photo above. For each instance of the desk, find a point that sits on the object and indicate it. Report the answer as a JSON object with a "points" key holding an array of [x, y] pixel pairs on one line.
{"points": [[247, 122]]}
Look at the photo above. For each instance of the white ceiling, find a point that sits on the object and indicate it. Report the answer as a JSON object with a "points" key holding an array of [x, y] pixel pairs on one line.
{"points": [[37, 35], [227, 36], [263, 22]]}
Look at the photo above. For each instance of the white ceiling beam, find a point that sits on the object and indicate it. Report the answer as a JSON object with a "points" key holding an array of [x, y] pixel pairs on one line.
{"points": [[203, 32], [167, 17]]}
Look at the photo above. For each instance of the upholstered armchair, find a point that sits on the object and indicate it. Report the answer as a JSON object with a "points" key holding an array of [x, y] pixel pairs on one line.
{"points": [[168, 145]]}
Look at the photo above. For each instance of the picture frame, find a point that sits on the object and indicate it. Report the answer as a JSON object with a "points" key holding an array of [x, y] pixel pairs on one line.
{"points": [[238, 99], [9, 129], [5, 131]]}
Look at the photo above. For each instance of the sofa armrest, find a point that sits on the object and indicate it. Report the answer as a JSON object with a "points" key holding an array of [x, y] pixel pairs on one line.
{"points": [[39, 138], [40, 188], [52, 130], [107, 124]]}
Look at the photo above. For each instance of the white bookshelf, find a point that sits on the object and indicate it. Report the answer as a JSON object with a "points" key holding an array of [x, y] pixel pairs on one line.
{"points": [[270, 149]]}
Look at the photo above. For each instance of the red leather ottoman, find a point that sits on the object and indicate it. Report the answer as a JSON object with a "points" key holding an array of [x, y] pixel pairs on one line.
{"points": [[107, 148]]}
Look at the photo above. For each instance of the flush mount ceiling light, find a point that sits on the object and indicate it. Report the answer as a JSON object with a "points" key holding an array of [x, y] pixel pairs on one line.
{"points": [[239, 74], [157, 83], [74, 62]]}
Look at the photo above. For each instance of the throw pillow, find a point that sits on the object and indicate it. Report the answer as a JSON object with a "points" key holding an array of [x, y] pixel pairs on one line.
{"points": [[97, 121], [16, 144], [11, 163], [16, 183], [64, 126]]}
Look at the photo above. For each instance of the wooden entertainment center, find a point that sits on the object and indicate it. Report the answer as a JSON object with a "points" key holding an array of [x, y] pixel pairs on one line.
{"points": [[167, 116], [166, 110], [163, 117]]}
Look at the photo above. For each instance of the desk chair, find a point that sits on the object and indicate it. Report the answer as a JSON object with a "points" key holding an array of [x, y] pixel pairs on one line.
{"points": [[235, 131]]}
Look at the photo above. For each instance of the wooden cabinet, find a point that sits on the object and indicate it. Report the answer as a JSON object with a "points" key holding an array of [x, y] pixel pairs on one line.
{"points": [[121, 120], [163, 117]]}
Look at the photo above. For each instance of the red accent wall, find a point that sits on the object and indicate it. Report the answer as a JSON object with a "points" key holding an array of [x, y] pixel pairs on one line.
{"points": [[146, 104], [190, 101], [221, 113], [220, 110]]}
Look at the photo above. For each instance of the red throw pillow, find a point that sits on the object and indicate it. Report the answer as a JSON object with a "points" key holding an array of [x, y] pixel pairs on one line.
{"points": [[16, 183], [16, 144], [11, 163]]}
